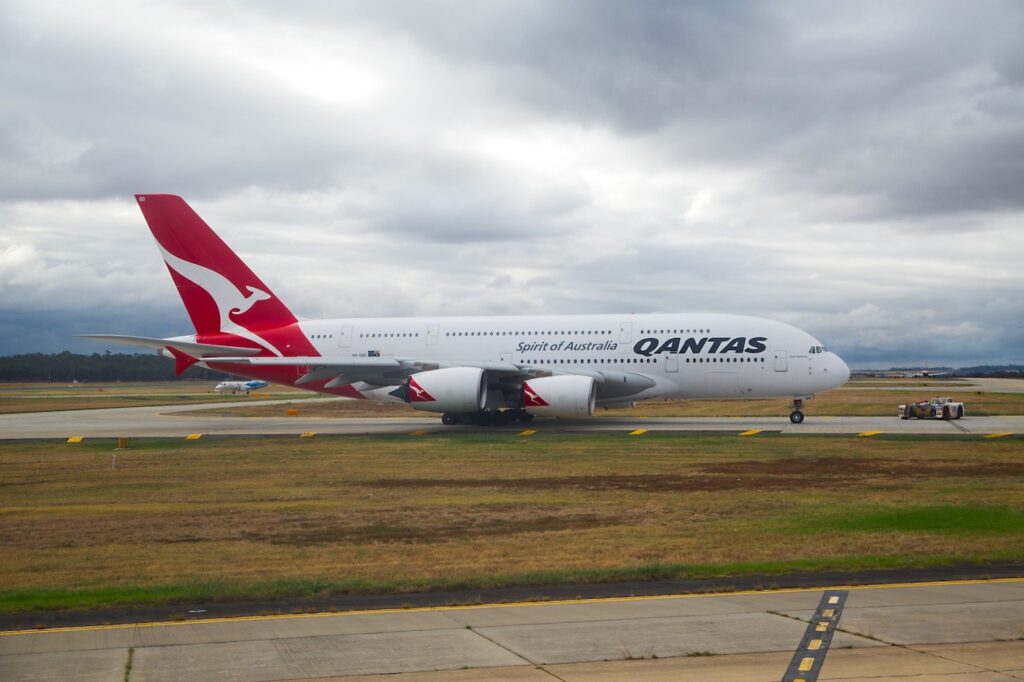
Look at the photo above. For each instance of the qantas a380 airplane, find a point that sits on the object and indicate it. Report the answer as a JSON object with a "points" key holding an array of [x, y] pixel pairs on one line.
{"points": [[479, 370]]}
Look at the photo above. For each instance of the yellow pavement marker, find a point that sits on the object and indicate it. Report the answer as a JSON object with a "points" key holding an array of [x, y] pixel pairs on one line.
{"points": [[75, 439], [752, 432], [638, 432], [998, 435], [527, 432], [307, 434], [868, 433], [193, 436]]}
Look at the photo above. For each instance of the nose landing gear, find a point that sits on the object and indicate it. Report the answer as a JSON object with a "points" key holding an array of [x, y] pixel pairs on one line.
{"points": [[797, 415]]}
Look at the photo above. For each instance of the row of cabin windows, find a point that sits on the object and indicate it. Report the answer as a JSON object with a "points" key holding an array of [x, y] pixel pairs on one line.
{"points": [[408, 335], [616, 361], [530, 333]]}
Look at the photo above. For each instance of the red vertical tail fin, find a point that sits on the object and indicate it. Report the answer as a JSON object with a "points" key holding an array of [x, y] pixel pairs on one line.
{"points": [[221, 294]]}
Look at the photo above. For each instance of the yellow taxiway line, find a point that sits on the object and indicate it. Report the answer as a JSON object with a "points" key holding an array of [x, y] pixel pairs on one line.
{"points": [[503, 605]]}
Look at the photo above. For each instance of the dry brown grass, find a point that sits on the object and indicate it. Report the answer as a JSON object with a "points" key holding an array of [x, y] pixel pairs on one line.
{"points": [[383, 508]]}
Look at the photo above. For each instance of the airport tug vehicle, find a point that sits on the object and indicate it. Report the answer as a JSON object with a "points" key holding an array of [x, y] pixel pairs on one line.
{"points": [[936, 408]]}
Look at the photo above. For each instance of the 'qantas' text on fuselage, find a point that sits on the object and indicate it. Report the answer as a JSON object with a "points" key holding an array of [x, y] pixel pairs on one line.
{"points": [[713, 344]]}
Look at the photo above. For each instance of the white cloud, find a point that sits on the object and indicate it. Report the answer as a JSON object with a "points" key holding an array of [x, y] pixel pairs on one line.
{"points": [[852, 169]]}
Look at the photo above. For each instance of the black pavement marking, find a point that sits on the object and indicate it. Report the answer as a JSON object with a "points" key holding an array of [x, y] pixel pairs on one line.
{"points": [[810, 655]]}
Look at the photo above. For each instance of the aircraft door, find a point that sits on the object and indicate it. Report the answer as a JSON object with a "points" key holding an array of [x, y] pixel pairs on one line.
{"points": [[671, 363], [345, 338], [625, 332], [781, 362], [432, 335]]}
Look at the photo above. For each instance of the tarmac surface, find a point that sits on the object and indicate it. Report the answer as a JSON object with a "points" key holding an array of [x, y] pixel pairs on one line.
{"points": [[180, 421], [962, 631]]}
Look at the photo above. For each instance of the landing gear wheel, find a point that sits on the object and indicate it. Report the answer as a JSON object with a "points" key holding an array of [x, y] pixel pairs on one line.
{"points": [[449, 419], [796, 416]]}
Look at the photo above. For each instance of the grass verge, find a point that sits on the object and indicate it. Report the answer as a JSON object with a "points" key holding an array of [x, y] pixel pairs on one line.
{"points": [[258, 518]]}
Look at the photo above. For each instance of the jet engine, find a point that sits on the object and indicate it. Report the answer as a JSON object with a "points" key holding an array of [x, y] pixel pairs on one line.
{"points": [[566, 395], [454, 389]]}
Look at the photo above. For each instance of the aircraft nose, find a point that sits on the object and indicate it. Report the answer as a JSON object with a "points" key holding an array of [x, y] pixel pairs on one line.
{"points": [[841, 371]]}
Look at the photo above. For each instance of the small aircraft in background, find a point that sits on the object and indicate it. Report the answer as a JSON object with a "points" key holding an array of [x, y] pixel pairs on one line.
{"points": [[926, 374], [239, 386]]}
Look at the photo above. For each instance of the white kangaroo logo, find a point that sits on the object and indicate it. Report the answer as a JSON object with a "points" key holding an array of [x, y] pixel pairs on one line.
{"points": [[230, 301]]}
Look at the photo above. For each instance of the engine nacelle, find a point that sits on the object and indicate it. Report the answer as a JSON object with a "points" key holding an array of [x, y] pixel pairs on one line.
{"points": [[566, 395], [455, 389]]}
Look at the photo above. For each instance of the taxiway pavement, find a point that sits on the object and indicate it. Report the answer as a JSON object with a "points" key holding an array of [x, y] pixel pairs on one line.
{"points": [[964, 631], [182, 420]]}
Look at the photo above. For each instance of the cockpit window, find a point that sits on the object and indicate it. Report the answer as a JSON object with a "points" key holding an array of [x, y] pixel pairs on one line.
{"points": [[817, 349]]}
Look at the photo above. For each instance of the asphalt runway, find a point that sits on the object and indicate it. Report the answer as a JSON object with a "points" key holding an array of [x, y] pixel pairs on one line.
{"points": [[180, 421], [959, 630]]}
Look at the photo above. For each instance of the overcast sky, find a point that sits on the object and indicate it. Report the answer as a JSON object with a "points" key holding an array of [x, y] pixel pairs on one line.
{"points": [[856, 169]]}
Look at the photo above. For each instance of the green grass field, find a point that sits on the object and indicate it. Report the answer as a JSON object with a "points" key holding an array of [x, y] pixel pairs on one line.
{"points": [[241, 518]]}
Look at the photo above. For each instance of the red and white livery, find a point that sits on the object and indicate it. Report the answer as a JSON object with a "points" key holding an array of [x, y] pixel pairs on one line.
{"points": [[470, 369]]}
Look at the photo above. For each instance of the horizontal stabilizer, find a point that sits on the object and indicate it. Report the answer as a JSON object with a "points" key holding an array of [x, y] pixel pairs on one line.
{"points": [[197, 350]]}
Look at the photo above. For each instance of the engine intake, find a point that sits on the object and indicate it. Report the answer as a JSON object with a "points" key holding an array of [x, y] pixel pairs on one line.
{"points": [[455, 389], [560, 396]]}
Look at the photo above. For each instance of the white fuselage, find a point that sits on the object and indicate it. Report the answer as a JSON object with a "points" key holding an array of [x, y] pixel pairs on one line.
{"points": [[686, 355]]}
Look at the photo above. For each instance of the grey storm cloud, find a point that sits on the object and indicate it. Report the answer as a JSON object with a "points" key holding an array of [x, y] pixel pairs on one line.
{"points": [[856, 169]]}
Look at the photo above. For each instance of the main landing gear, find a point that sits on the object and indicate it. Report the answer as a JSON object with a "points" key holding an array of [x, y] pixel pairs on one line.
{"points": [[797, 416], [486, 417]]}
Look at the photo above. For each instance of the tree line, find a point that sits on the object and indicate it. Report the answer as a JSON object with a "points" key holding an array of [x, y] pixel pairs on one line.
{"points": [[68, 367]]}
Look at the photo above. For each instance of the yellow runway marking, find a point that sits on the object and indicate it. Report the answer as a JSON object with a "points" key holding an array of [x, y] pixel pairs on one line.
{"points": [[527, 432], [998, 435], [503, 605], [307, 434], [421, 432], [752, 432], [75, 439], [193, 436], [814, 644], [868, 433], [638, 432], [806, 664]]}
